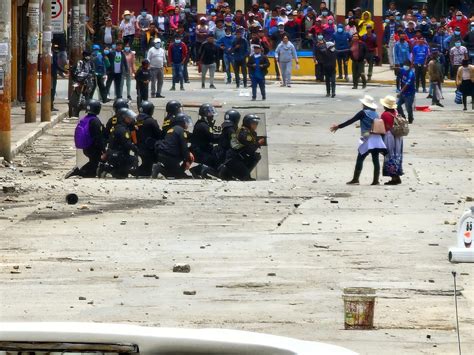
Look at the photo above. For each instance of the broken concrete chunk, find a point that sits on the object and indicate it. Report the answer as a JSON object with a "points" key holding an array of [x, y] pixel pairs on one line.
{"points": [[82, 298], [184, 268], [8, 189], [189, 293]]}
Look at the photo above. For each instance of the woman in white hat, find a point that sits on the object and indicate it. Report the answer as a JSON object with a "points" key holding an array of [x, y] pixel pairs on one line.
{"points": [[127, 27], [371, 138], [392, 165]]}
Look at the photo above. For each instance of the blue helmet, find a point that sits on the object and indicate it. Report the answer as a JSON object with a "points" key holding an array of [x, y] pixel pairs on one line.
{"points": [[96, 47]]}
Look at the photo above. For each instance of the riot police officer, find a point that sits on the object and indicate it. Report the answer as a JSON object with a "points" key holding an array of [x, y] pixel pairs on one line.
{"points": [[118, 161], [118, 104], [203, 140], [229, 128], [89, 137], [148, 133], [174, 157], [173, 107], [243, 157]]}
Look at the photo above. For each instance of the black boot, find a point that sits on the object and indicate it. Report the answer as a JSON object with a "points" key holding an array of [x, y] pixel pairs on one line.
{"points": [[376, 178], [355, 179]]}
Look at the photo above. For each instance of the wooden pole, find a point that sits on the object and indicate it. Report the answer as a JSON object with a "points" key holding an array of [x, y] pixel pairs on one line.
{"points": [[32, 60], [46, 64], [5, 88]]}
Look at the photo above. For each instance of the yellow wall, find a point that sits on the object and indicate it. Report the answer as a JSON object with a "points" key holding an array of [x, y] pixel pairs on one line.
{"points": [[306, 67]]}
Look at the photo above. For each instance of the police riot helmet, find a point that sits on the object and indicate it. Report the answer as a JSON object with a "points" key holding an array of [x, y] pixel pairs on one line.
{"points": [[250, 119], [173, 107], [120, 103], [93, 107], [207, 111], [232, 116], [179, 120], [147, 108], [127, 113]]}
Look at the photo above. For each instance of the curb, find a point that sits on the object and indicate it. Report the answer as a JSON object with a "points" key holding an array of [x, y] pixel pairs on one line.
{"points": [[32, 136]]}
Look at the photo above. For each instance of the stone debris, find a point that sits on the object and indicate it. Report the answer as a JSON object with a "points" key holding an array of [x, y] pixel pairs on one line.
{"points": [[82, 298], [271, 274], [183, 268], [151, 276], [189, 293], [8, 189]]}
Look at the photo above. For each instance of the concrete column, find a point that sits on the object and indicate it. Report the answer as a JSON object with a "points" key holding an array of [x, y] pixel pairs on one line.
{"points": [[201, 7], [240, 5], [5, 89], [378, 20], [340, 11], [46, 64]]}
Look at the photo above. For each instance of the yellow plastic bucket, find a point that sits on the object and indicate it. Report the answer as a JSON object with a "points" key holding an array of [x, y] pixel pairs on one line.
{"points": [[359, 305]]}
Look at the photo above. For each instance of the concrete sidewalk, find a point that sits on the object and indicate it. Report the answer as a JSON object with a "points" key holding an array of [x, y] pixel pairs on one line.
{"points": [[23, 134], [382, 75]]}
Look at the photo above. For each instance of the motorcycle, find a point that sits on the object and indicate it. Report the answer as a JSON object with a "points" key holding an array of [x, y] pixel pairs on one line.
{"points": [[82, 90]]}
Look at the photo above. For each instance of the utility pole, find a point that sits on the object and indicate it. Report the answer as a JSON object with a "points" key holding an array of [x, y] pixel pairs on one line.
{"points": [[82, 24], [75, 48], [5, 79], [46, 63], [32, 60]]}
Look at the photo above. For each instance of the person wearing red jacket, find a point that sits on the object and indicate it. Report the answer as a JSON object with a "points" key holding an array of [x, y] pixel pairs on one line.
{"points": [[177, 54], [460, 21]]}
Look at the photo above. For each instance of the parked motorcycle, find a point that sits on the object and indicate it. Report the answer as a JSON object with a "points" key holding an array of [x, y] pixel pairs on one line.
{"points": [[83, 88]]}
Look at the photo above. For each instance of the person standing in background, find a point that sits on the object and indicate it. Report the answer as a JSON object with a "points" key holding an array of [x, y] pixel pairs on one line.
{"points": [[370, 40], [401, 54], [144, 20], [435, 72], [142, 79], [240, 51], [285, 53], [457, 54], [358, 53], [157, 57], [342, 42], [127, 27], [208, 59], [100, 68], [465, 82], [258, 67], [407, 91], [177, 55], [108, 34], [420, 55], [117, 70], [329, 69], [130, 58]]}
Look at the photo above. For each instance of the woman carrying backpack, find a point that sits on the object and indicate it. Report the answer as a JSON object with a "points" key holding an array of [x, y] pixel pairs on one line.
{"points": [[372, 128], [392, 165]]}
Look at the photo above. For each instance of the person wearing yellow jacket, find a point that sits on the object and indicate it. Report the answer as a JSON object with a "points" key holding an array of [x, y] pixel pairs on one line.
{"points": [[366, 20]]}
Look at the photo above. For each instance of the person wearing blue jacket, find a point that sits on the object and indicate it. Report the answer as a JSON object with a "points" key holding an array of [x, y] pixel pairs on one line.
{"points": [[342, 40], [225, 43], [401, 54], [420, 55], [240, 51], [98, 63]]}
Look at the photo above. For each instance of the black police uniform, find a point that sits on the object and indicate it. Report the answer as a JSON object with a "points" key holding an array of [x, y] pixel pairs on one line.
{"points": [[94, 152], [142, 78], [173, 152], [202, 143], [118, 155], [223, 145], [148, 134], [109, 126], [243, 157]]}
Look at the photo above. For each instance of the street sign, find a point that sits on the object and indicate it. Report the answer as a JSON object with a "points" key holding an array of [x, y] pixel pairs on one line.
{"points": [[57, 16]]}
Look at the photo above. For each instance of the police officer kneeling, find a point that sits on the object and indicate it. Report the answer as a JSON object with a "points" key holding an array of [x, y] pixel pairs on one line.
{"points": [[148, 134], [173, 107], [203, 140], [243, 157], [118, 161], [112, 121], [174, 157], [229, 128], [89, 137]]}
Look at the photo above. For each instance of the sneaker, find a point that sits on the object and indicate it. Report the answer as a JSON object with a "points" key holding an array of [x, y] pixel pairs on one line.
{"points": [[254, 98], [288, 86], [429, 97], [159, 96], [203, 86], [129, 98], [181, 88], [364, 86], [339, 77], [264, 98], [439, 104], [172, 88], [328, 94], [54, 109], [212, 87], [354, 88], [333, 96], [187, 82], [155, 170]]}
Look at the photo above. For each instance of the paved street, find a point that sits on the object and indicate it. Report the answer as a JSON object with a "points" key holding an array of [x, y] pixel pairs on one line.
{"points": [[118, 245]]}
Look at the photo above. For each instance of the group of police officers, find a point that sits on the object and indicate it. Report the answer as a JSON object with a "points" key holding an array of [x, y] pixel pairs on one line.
{"points": [[132, 144]]}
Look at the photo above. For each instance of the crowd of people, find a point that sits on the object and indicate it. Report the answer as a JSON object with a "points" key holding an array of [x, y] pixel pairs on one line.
{"points": [[131, 144]]}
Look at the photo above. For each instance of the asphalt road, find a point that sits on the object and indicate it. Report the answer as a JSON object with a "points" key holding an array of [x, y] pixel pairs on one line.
{"points": [[304, 225]]}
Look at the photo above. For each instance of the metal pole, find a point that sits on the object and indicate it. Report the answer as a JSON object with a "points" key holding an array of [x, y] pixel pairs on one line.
{"points": [[5, 76], [46, 64], [82, 24], [456, 304], [75, 47], [32, 60]]}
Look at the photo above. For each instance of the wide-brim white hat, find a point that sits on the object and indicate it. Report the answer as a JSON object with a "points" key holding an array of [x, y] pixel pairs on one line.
{"points": [[368, 101], [389, 102]]}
